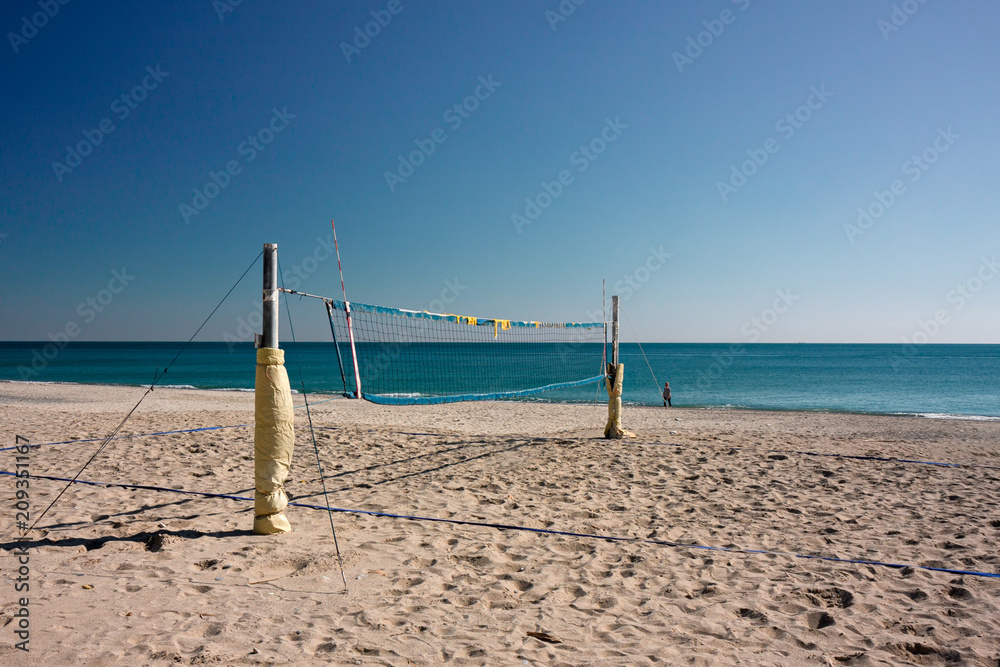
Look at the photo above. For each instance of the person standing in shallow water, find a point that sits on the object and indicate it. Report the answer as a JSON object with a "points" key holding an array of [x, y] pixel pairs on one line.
{"points": [[666, 395]]}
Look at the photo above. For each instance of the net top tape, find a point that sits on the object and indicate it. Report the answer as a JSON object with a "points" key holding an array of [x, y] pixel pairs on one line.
{"points": [[459, 319]]}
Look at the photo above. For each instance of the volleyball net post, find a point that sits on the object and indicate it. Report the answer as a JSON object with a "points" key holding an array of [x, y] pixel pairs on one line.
{"points": [[274, 434], [615, 375]]}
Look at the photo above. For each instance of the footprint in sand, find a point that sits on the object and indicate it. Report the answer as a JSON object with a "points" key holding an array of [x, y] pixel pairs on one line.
{"points": [[958, 593], [214, 629], [752, 614], [830, 597], [816, 620], [326, 647], [918, 652]]}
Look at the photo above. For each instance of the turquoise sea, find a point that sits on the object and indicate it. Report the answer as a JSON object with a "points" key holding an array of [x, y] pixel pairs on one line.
{"points": [[942, 381]]}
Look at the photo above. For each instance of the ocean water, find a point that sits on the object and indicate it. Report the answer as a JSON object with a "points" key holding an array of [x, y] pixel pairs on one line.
{"points": [[940, 381]]}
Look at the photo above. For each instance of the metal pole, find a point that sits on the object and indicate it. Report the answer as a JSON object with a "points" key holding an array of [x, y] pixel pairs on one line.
{"points": [[270, 332], [614, 331], [336, 345], [274, 436]]}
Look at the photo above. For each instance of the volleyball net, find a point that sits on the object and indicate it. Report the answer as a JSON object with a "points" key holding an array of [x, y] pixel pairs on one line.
{"points": [[408, 357]]}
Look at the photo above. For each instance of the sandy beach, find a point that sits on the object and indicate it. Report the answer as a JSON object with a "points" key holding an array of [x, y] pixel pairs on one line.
{"points": [[144, 577]]}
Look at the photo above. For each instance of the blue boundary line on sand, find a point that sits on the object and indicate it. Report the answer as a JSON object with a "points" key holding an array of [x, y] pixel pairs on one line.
{"points": [[543, 531], [126, 437], [142, 435], [884, 459]]}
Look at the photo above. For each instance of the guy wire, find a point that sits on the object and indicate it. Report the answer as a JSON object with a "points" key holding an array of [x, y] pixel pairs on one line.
{"points": [[156, 379], [312, 433], [657, 382]]}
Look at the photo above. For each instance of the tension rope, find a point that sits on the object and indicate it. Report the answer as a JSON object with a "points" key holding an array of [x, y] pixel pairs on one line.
{"points": [[312, 432], [655, 381], [156, 378]]}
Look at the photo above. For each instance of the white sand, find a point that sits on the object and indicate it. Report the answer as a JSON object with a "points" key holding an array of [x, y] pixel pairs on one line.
{"points": [[142, 577]]}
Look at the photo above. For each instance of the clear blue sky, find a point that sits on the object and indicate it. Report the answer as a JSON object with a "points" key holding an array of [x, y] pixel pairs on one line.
{"points": [[678, 128]]}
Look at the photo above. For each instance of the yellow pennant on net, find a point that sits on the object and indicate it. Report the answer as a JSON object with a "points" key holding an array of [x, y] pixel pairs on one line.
{"points": [[500, 324], [460, 319]]}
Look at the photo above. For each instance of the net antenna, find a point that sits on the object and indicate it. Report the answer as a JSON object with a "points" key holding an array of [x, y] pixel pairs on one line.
{"points": [[604, 318], [604, 349], [347, 311]]}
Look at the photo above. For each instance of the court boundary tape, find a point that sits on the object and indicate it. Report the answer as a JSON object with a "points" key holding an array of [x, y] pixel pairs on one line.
{"points": [[143, 435], [543, 531], [883, 459]]}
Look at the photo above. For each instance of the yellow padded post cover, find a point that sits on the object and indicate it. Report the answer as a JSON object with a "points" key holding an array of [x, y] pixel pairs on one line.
{"points": [[274, 439], [613, 430]]}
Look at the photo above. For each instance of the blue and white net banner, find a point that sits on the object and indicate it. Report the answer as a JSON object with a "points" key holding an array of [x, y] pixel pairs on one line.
{"points": [[457, 319]]}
